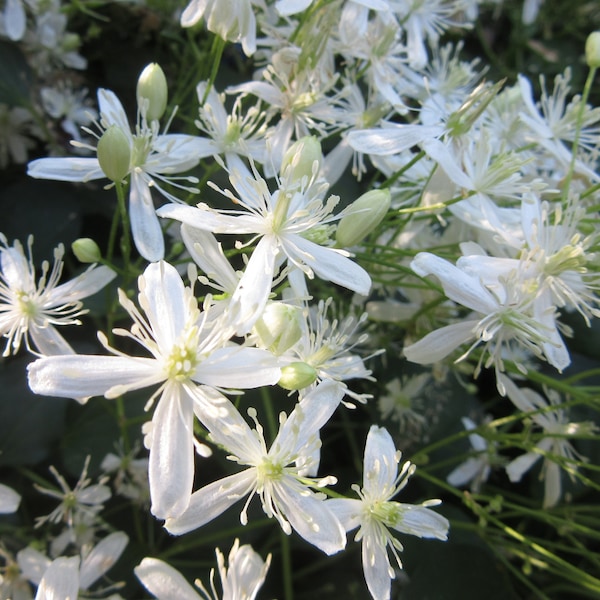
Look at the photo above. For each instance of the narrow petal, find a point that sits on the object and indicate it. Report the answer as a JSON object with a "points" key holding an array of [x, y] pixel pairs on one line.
{"points": [[347, 510], [210, 501], [171, 466], [391, 140], [145, 226], [520, 465], [9, 500], [439, 343], [49, 341], [65, 169], [310, 516], [112, 111], [376, 566], [60, 581], [82, 286], [332, 265], [380, 463], [80, 376], [163, 581], [422, 522], [102, 557], [15, 21]]}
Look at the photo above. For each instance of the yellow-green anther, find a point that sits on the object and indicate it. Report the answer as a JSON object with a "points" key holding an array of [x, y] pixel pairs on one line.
{"points": [[362, 217], [114, 153], [297, 376], [152, 90]]}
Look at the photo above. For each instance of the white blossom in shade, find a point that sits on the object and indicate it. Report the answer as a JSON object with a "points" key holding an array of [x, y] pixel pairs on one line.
{"points": [[553, 125], [293, 228], [508, 316], [9, 500], [155, 159], [86, 498], [375, 513], [190, 357], [241, 580], [17, 133], [477, 468], [31, 310], [234, 132], [232, 20], [13, 20], [279, 475], [60, 580], [554, 446]]}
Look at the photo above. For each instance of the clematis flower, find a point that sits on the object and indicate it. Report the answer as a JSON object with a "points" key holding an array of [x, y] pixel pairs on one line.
{"points": [[190, 358], [277, 475], [375, 513], [30, 310], [154, 158], [240, 581], [293, 226]]}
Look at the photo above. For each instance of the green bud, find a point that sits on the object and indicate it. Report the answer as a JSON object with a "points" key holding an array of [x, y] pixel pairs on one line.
{"points": [[297, 375], [592, 50], [279, 327], [362, 217], [86, 250], [299, 159], [70, 42], [114, 153], [152, 89]]}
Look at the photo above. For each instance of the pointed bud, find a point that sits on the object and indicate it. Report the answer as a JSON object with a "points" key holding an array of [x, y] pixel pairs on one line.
{"points": [[152, 90], [297, 375], [86, 250], [362, 217], [279, 327], [592, 50], [300, 157], [114, 153]]}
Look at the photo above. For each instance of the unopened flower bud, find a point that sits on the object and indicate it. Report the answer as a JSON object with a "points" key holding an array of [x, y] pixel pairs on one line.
{"points": [[362, 217], [70, 42], [592, 50], [299, 159], [279, 327], [114, 153], [86, 250], [297, 375], [152, 89]]}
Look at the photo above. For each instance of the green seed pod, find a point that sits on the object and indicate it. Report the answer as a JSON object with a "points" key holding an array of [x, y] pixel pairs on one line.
{"points": [[362, 217], [297, 375], [114, 153], [152, 90], [86, 250]]}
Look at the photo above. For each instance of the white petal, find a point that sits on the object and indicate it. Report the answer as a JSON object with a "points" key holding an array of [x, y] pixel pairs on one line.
{"points": [[82, 286], [391, 140], [380, 463], [439, 343], [422, 522], [60, 581], [376, 566], [210, 501], [102, 557], [309, 516], [520, 465], [49, 341], [171, 467], [112, 111], [81, 376], [332, 265], [65, 169], [145, 226], [291, 7], [14, 19], [466, 471], [165, 303], [9, 500], [347, 510], [33, 564], [238, 367], [193, 12], [163, 581]]}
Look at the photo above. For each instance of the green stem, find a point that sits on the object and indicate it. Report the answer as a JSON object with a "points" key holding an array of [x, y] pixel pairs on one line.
{"points": [[286, 566]]}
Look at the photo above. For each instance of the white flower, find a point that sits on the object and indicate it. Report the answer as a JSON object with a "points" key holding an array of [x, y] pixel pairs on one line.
{"points": [[279, 475], [375, 512], [232, 20], [190, 356], [554, 446], [241, 581], [155, 157], [30, 310], [476, 469], [16, 130], [292, 225]]}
